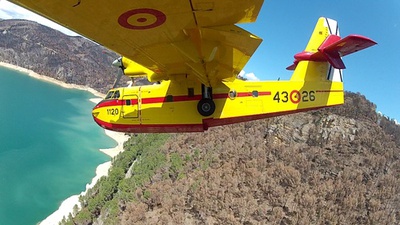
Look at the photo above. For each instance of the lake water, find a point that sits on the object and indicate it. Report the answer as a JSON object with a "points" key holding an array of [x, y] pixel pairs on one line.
{"points": [[49, 146]]}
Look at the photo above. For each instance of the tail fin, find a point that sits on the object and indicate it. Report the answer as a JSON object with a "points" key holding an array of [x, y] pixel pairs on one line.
{"points": [[322, 58]]}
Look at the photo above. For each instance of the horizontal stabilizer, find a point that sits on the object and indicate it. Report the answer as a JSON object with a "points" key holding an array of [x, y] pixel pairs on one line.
{"points": [[333, 49], [350, 44]]}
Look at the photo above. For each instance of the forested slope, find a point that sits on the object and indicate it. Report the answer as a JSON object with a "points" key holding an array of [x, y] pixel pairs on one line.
{"points": [[334, 166]]}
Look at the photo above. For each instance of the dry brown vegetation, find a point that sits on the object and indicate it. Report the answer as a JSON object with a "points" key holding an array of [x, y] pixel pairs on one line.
{"points": [[333, 166]]}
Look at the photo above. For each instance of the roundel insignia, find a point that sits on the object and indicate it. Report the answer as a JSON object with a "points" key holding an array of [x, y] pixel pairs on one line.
{"points": [[141, 19], [295, 96]]}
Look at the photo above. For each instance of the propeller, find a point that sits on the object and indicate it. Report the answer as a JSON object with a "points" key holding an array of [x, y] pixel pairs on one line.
{"points": [[118, 63]]}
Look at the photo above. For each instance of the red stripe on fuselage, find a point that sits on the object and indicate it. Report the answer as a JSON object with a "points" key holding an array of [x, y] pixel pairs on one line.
{"points": [[249, 94], [184, 98], [111, 102]]}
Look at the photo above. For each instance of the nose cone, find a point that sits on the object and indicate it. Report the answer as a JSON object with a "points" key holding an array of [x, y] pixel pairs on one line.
{"points": [[106, 114], [117, 62], [96, 109], [98, 116], [95, 114]]}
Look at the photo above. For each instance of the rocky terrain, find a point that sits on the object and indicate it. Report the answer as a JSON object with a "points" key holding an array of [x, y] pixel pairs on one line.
{"points": [[334, 166], [74, 60]]}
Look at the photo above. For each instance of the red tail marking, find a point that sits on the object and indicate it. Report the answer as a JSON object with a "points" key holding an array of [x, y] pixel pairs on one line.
{"points": [[333, 49]]}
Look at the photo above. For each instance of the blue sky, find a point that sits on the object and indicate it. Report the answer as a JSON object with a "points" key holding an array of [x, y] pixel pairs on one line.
{"points": [[286, 26]]}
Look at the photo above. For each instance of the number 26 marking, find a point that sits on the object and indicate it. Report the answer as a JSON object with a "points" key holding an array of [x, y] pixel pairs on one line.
{"points": [[295, 96]]}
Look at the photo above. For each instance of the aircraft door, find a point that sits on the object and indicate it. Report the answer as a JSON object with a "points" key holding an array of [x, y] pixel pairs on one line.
{"points": [[130, 108]]}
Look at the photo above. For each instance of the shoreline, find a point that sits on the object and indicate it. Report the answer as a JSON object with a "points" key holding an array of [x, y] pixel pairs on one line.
{"points": [[52, 80], [68, 204]]}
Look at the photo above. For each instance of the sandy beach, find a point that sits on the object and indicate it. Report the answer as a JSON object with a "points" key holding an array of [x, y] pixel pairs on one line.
{"points": [[68, 204]]}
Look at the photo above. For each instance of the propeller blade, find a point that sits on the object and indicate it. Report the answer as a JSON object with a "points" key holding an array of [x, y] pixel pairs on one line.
{"points": [[118, 63], [119, 75]]}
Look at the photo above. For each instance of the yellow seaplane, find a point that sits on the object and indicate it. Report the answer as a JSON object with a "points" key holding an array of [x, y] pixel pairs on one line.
{"points": [[193, 52]]}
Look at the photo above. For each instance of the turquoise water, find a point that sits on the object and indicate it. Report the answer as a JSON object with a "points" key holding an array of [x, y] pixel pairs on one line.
{"points": [[48, 146]]}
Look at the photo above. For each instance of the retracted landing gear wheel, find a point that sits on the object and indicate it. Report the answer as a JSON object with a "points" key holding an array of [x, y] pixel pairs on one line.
{"points": [[206, 107]]}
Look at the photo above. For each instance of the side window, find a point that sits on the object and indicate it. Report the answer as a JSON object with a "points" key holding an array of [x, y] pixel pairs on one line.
{"points": [[116, 95], [170, 98], [232, 94], [254, 93]]}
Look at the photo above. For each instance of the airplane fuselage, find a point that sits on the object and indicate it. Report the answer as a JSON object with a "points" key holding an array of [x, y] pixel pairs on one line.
{"points": [[173, 106]]}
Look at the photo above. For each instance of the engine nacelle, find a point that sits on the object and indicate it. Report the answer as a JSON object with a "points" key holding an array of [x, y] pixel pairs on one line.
{"points": [[133, 69]]}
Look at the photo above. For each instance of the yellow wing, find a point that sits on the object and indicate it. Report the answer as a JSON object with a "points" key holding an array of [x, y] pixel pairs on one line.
{"points": [[169, 37]]}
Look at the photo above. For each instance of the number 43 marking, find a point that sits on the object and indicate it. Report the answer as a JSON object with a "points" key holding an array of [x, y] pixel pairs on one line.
{"points": [[294, 96]]}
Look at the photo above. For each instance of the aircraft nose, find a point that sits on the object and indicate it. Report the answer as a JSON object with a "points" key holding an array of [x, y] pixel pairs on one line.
{"points": [[95, 112]]}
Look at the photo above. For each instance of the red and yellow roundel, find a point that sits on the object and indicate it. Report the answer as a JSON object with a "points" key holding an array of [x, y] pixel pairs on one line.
{"points": [[141, 19]]}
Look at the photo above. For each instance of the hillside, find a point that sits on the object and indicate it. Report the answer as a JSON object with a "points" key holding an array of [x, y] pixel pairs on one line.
{"points": [[334, 166], [74, 60]]}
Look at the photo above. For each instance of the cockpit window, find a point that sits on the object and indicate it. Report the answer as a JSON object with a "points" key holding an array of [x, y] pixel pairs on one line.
{"points": [[109, 94], [112, 95]]}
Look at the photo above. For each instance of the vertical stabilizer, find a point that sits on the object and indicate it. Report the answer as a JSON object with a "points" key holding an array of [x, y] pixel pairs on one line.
{"points": [[322, 30], [311, 64], [322, 58]]}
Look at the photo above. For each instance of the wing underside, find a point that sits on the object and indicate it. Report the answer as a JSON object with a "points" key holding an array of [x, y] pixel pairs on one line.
{"points": [[169, 37]]}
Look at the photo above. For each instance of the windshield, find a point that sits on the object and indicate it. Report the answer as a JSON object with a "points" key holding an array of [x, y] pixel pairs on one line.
{"points": [[109, 94], [112, 95]]}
